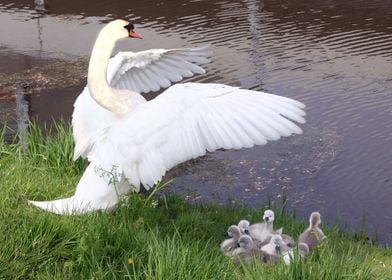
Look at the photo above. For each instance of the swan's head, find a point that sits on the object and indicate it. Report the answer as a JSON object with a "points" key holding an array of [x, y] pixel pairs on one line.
{"points": [[131, 32], [269, 216], [244, 226], [277, 241], [315, 219], [119, 29], [234, 232], [245, 242]]}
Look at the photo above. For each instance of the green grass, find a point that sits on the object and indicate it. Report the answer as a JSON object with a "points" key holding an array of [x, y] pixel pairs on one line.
{"points": [[141, 240]]}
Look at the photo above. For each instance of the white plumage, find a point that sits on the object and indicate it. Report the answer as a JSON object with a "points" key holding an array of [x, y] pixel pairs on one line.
{"points": [[136, 142], [229, 245], [154, 69]]}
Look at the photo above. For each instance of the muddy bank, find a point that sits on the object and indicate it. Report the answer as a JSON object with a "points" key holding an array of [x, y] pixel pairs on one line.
{"points": [[56, 74]]}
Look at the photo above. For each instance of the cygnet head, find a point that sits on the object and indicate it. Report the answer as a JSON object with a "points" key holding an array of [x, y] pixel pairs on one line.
{"points": [[315, 219], [245, 242], [277, 241], [244, 226], [269, 216], [234, 232]]}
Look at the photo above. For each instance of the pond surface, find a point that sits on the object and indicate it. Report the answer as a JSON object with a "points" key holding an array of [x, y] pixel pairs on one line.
{"points": [[335, 57]]}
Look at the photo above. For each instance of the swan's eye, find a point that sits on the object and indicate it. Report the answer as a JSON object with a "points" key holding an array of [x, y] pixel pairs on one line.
{"points": [[129, 27]]}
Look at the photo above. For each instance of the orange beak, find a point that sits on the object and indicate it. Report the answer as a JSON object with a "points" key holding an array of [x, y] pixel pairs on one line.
{"points": [[134, 34]]}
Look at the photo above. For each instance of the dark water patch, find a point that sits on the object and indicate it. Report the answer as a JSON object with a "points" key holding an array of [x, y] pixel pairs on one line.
{"points": [[281, 170], [51, 105], [17, 109]]}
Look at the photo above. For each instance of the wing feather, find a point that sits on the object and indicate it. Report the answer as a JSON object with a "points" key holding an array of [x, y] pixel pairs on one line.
{"points": [[251, 121], [185, 122], [147, 69]]}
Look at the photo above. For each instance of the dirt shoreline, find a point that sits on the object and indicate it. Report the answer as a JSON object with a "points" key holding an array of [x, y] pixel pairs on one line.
{"points": [[57, 74]]}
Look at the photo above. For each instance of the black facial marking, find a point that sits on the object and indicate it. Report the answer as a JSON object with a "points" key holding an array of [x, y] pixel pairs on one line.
{"points": [[277, 249], [129, 27]]}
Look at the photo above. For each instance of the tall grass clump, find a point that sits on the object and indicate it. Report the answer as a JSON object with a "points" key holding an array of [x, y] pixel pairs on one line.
{"points": [[147, 237], [54, 149]]}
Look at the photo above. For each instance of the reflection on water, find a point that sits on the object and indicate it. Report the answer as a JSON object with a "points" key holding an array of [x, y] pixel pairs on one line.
{"points": [[335, 56]]}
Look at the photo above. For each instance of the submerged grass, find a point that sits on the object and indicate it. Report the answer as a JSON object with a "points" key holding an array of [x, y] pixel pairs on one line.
{"points": [[142, 239]]}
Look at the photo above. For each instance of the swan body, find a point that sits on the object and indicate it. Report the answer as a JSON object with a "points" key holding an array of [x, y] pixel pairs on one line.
{"points": [[244, 226], [287, 239], [246, 252], [130, 142], [303, 249], [313, 235], [272, 251], [276, 249], [263, 231], [229, 245], [288, 256]]}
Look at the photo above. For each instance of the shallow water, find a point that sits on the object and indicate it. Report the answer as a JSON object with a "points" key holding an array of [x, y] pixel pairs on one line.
{"points": [[335, 57]]}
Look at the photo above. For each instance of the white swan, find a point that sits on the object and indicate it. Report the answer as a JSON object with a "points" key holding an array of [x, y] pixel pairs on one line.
{"points": [[130, 141]]}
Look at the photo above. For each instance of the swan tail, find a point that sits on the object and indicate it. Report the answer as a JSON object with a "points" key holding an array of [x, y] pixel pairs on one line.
{"points": [[65, 206], [94, 192]]}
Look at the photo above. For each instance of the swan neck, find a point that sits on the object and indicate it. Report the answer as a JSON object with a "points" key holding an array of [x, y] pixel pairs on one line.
{"points": [[97, 71], [112, 99], [269, 227], [99, 61]]}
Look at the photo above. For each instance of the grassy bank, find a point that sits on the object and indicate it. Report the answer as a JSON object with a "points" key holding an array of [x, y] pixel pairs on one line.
{"points": [[146, 238]]}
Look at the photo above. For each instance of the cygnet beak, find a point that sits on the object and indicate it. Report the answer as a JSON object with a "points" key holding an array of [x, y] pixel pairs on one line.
{"points": [[277, 249]]}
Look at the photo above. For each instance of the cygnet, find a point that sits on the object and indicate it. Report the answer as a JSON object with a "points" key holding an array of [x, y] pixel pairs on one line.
{"points": [[287, 239], [262, 231], [313, 235], [246, 251], [244, 226], [274, 249], [303, 250], [230, 244]]}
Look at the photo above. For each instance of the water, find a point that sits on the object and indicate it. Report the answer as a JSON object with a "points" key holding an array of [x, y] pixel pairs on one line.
{"points": [[335, 57]]}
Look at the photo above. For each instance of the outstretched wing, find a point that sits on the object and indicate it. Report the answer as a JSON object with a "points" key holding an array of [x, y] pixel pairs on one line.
{"points": [[186, 121], [141, 72], [151, 70]]}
